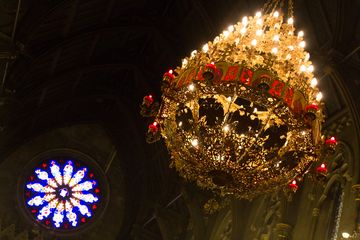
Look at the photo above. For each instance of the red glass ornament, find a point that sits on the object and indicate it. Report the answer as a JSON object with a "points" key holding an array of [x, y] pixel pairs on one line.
{"points": [[312, 108], [94, 207], [47, 222], [148, 100], [97, 190], [169, 76], [293, 185], [44, 165], [153, 127], [211, 66], [31, 178], [331, 141], [91, 175], [83, 219], [33, 211], [322, 168], [66, 225]]}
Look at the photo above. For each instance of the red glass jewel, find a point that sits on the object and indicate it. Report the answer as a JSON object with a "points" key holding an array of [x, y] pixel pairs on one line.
{"points": [[312, 107], [169, 76], [293, 185], [331, 141], [153, 127], [322, 168], [148, 100]]}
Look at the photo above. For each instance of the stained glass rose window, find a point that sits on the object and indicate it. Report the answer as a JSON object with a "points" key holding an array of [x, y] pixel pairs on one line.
{"points": [[62, 194]]}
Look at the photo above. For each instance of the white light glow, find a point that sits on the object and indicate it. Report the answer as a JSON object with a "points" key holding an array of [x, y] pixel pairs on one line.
{"points": [[313, 82], [244, 21], [345, 235], [302, 44], [191, 87], [274, 50], [259, 32], [231, 28], [205, 48], [193, 53], [195, 142], [319, 96], [311, 68], [259, 21], [290, 21]]}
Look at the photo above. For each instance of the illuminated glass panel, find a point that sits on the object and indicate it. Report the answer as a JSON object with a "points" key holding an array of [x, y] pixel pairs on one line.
{"points": [[62, 194]]}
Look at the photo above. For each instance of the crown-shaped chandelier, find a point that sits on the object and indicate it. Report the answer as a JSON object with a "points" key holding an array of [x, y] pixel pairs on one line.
{"points": [[242, 116]]}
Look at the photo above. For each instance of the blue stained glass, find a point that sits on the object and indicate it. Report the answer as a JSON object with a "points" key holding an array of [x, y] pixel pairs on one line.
{"points": [[62, 195]]}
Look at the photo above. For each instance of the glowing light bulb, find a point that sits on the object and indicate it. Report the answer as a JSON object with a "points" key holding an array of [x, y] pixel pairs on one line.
{"points": [[276, 14], [226, 33], [193, 53], [300, 34], [195, 142], [259, 32], [216, 39], [259, 21], [205, 48], [307, 56], [274, 50], [228, 99], [226, 128], [254, 42], [291, 47], [319, 96], [276, 38], [313, 82], [288, 56], [243, 31], [310, 68], [258, 14], [302, 68], [171, 71], [244, 21], [345, 235], [184, 62], [302, 44], [231, 28], [191, 87], [290, 21], [237, 40]]}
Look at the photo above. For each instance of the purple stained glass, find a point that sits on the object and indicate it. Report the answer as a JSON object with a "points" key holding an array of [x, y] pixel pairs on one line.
{"points": [[62, 194]]}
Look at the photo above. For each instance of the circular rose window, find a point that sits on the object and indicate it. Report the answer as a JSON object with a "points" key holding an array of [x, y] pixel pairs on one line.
{"points": [[62, 193]]}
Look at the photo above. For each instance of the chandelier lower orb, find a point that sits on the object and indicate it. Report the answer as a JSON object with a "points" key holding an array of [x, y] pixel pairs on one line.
{"points": [[243, 115]]}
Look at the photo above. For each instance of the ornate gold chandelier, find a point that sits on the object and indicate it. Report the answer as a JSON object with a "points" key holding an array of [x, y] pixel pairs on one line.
{"points": [[242, 116]]}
